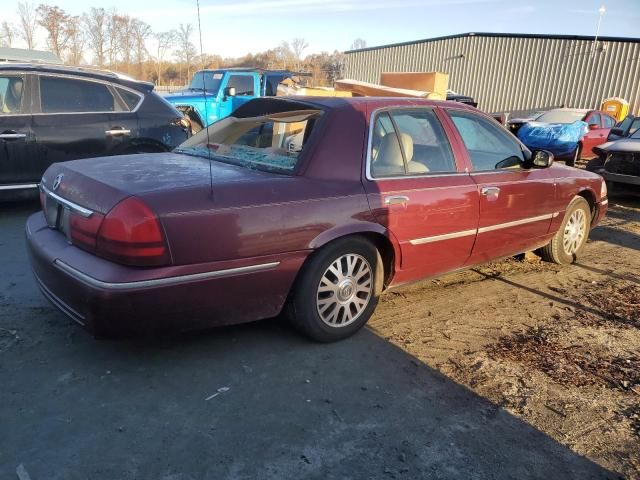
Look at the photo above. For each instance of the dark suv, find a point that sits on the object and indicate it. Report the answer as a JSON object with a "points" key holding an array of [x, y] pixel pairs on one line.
{"points": [[54, 113]]}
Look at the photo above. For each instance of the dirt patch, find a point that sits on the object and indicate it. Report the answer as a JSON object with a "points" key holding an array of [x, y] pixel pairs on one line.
{"points": [[619, 304], [539, 347], [557, 346]]}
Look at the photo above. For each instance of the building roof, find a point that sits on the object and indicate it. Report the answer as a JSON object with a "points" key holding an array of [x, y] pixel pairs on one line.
{"points": [[25, 55], [504, 35]]}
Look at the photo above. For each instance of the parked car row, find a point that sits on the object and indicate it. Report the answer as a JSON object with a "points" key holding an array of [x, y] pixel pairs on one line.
{"points": [[569, 133], [51, 114]]}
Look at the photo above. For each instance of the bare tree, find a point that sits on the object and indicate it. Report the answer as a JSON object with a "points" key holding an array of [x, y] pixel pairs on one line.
{"points": [[28, 22], [358, 44], [95, 25], [57, 24], [126, 40], [165, 42], [285, 55], [76, 41], [141, 33], [114, 34], [298, 46], [333, 67], [186, 51], [7, 34]]}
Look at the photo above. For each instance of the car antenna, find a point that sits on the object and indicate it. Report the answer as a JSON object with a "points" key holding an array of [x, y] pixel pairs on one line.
{"points": [[204, 94]]}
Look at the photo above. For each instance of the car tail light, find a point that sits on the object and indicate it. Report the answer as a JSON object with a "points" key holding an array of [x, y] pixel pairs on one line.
{"points": [[84, 230], [185, 123], [131, 234]]}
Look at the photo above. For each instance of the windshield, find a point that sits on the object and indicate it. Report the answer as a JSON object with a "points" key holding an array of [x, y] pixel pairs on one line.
{"points": [[209, 81], [270, 142], [561, 116]]}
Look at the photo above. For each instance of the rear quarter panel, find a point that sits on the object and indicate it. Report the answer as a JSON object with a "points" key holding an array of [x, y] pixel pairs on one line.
{"points": [[284, 215]]}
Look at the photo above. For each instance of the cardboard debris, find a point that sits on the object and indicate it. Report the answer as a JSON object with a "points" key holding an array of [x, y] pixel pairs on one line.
{"points": [[435, 82], [364, 89], [289, 87]]}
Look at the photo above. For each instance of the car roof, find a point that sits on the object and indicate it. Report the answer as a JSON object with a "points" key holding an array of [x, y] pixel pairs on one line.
{"points": [[89, 72], [573, 110], [372, 102]]}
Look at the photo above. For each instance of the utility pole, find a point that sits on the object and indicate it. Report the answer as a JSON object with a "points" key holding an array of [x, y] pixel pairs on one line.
{"points": [[601, 11]]}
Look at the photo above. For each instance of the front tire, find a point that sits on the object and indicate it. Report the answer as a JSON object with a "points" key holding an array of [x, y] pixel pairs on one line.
{"points": [[337, 290], [570, 239]]}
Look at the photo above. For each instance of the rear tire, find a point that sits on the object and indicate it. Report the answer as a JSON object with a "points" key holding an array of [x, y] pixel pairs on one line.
{"points": [[337, 290], [570, 239], [577, 154]]}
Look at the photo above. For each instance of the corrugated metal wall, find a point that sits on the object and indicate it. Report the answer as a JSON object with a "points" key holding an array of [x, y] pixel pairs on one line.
{"points": [[515, 73]]}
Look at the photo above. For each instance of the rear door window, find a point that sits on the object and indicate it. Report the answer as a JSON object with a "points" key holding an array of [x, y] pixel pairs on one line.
{"points": [[242, 83], [12, 95], [408, 143], [67, 95]]}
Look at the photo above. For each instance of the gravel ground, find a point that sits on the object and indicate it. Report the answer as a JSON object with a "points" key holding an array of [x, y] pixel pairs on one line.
{"points": [[514, 370]]}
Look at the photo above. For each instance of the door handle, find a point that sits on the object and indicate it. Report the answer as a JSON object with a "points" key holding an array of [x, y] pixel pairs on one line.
{"points": [[117, 131], [489, 191], [12, 135], [396, 200]]}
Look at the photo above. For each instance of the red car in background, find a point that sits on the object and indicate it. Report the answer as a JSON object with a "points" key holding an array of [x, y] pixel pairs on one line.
{"points": [[555, 131], [309, 205]]}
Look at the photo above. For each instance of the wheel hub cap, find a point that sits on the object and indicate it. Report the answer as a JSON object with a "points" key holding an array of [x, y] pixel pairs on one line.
{"points": [[574, 232], [344, 290]]}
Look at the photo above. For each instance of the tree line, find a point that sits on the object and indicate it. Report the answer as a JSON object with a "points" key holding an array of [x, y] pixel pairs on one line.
{"points": [[106, 38]]}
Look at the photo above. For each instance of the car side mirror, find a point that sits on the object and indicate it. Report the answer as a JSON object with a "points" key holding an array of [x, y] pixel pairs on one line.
{"points": [[542, 159], [230, 92], [593, 126]]}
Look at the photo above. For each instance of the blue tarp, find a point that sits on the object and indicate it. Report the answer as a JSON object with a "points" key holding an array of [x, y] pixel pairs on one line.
{"points": [[559, 138]]}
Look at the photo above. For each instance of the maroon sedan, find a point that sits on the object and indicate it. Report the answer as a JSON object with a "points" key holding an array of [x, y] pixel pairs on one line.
{"points": [[313, 206]]}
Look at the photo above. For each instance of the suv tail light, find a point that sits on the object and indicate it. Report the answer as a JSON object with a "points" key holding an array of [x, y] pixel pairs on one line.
{"points": [[131, 234]]}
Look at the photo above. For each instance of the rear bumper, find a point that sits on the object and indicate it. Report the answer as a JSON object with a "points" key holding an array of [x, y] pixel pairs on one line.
{"points": [[112, 299]]}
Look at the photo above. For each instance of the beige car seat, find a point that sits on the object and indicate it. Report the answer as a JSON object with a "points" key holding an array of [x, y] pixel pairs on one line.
{"points": [[388, 160]]}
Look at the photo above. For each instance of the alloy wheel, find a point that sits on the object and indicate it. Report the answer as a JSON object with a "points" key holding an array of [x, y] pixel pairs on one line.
{"points": [[344, 290], [574, 232]]}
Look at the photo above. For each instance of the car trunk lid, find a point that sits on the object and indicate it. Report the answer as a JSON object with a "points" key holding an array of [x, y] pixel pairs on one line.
{"points": [[99, 184]]}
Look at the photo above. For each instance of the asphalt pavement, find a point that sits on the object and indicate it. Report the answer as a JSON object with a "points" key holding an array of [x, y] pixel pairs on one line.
{"points": [[256, 401]]}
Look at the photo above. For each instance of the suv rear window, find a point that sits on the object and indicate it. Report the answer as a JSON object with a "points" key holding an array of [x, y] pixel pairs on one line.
{"points": [[68, 95], [130, 99]]}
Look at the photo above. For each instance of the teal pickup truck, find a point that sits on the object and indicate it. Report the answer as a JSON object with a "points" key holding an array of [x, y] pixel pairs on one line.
{"points": [[214, 94]]}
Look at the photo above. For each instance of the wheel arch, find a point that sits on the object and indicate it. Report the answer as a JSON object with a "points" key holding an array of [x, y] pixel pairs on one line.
{"points": [[589, 195], [386, 244]]}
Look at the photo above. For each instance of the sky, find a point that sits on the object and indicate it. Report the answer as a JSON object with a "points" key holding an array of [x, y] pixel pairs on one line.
{"points": [[233, 28]]}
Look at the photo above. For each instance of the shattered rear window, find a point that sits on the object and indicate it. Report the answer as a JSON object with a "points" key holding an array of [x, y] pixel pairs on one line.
{"points": [[269, 142]]}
